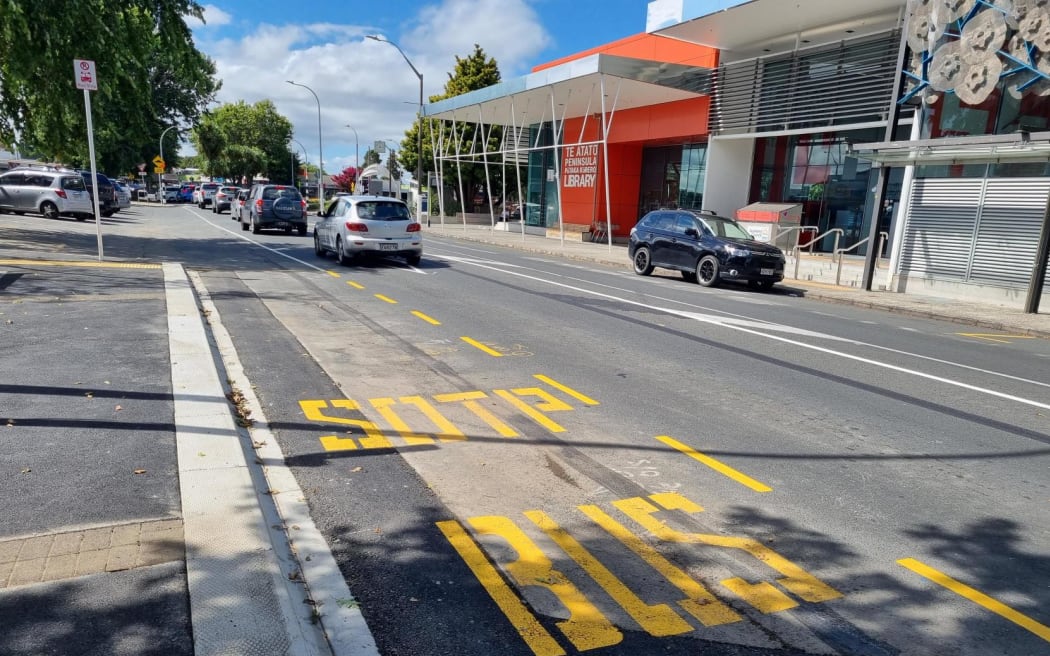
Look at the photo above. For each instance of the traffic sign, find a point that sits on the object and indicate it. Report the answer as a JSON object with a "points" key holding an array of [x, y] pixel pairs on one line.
{"points": [[158, 162], [84, 73], [158, 169]]}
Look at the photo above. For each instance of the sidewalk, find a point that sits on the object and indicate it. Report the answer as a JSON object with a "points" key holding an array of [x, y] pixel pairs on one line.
{"points": [[981, 315]]}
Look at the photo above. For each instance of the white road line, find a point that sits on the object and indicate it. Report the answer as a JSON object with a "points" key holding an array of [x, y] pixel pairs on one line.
{"points": [[739, 326], [910, 330]]}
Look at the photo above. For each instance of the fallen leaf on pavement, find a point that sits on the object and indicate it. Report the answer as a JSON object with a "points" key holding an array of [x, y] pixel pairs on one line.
{"points": [[26, 470], [117, 409], [357, 469], [90, 395], [139, 471]]}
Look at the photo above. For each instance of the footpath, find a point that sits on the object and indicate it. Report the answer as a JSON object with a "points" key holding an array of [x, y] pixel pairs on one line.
{"points": [[137, 520]]}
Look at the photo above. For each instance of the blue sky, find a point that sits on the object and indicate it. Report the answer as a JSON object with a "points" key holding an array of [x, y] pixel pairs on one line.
{"points": [[259, 44]]}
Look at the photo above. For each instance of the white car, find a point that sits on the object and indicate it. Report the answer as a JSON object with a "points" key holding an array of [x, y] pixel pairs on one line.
{"points": [[123, 195], [353, 226], [51, 192], [204, 193]]}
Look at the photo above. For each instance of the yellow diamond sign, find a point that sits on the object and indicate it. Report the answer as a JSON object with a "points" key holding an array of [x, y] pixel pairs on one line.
{"points": [[158, 162]]}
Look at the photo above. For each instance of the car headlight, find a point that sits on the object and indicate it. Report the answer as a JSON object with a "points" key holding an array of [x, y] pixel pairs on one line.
{"points": [[737, 251]]}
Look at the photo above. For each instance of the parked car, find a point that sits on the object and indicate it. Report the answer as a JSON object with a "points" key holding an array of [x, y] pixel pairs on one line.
{"points": [[107, 193], [237, 204], [51, 193], [171, 193], [123, 195], [223, 198], [705, 247], [373, 225], [186, 192], [274, 206], [205, 193]]}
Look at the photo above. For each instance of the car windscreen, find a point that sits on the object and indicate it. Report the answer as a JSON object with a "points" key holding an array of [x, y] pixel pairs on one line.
{"points": [[725, 228], [379, 210], [273, 193], [230, 191]]}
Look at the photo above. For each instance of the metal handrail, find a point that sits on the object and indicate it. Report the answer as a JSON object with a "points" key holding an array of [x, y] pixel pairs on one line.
{"points": [[800, 230], [840, 251], [838, 234]]}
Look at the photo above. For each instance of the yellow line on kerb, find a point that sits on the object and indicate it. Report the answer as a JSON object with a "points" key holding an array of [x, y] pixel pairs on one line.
{"points": [[430, 320], [976, 597], [386, 299], [355, 285], [481, 347], [719, 467], [86, 265]]}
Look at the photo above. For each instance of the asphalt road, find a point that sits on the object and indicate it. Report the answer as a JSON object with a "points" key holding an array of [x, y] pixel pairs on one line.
{"points": [[521, 455]]}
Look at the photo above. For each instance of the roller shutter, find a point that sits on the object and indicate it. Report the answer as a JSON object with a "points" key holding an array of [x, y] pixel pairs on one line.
{"points": [[1008, 230], [938, 236]]}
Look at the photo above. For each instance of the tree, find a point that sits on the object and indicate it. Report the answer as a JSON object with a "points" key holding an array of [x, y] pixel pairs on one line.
{"points": [[473, 72], [346, 180], [150, 77], [392, 165], [371, 157], [241, 140]]}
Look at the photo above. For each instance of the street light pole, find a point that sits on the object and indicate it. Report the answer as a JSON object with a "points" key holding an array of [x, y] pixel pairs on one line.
{"points": [[419, 125], [160, 176], [320, 147], [357, 156]]}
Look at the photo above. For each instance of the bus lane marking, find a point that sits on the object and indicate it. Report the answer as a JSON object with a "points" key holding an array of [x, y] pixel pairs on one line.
{"points": [[716, 465], [432, 321], [977, 597], [355, 285], [586, 627], [481, 347], [386, 299]]}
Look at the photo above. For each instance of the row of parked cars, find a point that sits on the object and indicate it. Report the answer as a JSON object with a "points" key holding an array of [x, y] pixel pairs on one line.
{"points": [[55, 192]]}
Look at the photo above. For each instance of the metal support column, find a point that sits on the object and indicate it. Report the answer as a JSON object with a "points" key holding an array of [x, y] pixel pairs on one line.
{"points": [[1035, 287]]}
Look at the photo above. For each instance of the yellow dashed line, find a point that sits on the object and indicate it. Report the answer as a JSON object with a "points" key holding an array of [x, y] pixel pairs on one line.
{"points": [[355, 285], [386, 299], [333, 274], [86, 265], [976, 597], [424, 317], [719, 467], [481, 347]]}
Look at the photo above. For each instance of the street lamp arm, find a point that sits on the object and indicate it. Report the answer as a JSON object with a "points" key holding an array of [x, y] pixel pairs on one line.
{"points": [[376, 37], [320, 144]]}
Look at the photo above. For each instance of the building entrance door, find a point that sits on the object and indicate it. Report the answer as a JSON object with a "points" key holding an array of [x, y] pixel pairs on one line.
{"points": [[661, 177]]}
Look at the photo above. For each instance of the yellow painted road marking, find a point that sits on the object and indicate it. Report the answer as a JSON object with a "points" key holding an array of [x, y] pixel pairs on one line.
{"points": [[528, 627], [977, 597], [659, 619], [355, 285], [470, 402], [719, 467], [333, 274], [481, 347], [86, 265], [424, 317], [398, 424], [795, 580], [999, 339], [449, 432], [699, 601], [531, 412], [568, 390], [586, 627], [386, 299], [374, 438]]}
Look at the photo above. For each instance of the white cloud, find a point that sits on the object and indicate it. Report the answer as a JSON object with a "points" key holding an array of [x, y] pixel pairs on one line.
{"points": [[362, 82], [213, 17]]}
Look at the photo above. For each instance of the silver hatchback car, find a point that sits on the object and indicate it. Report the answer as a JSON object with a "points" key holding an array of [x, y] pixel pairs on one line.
{"points": [[52, 193], [368, 225]]}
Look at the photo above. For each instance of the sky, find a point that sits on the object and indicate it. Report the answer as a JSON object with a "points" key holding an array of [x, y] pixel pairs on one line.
{"points": [[259, 44]]}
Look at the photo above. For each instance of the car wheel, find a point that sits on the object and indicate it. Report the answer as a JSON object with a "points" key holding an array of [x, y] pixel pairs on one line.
{"points": [[49, 210], [643, 261], [244, 226], [302, 231], [318, 249], [707, 271], [109, 213], [689, 276], [344, 258], [414, 260], [255, 226]]}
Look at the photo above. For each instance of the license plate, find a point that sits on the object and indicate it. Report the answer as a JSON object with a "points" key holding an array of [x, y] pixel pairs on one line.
{"points": [[388, 247], [282, 224], [765, 272]]}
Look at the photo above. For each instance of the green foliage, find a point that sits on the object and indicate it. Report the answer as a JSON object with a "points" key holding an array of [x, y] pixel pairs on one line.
{"points": [[241, 140], [371, 157], [149, 72], [392, 165]]}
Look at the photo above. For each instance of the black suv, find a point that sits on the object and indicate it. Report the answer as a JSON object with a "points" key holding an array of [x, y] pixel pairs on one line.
{"points": [[705, 247], [107, 199], [274, 206]]}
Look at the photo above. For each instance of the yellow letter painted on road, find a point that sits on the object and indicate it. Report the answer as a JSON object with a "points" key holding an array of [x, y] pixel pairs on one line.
{"points": [[374, 437], [586, 627], [796, 579], [699, 601], [565, 388], [449, 432], [410, 437], [529, 628], [470, 402], [658, 620], [548, 404]]}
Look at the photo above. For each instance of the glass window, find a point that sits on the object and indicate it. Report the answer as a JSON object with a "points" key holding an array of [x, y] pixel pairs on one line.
{"points": [[683, 222], [273, 193], [725, 228], [74, 184], [383, 211]]}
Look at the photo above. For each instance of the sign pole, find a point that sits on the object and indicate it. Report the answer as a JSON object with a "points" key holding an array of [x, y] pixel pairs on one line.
{"points": [[84, 74]]}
